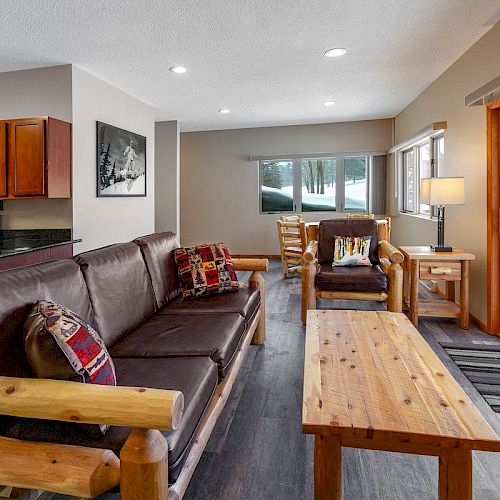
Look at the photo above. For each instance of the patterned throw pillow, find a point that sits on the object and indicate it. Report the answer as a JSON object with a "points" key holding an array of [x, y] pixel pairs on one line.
{"points": [[60, 345], [352, 251], [205, 269]]}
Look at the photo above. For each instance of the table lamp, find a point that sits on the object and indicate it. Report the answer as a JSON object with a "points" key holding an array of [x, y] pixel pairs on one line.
{"points": [[442, 191]]}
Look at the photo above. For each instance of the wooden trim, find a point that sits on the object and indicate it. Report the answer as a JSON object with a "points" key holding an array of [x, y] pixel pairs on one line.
{"points": [[90, 403], [376, 296], [256, 256], [493, 218], [422, 134], [209, 419], [58, 468]]}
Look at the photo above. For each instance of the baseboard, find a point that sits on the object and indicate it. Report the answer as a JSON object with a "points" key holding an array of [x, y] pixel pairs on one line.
{"points": [[255, 256]]}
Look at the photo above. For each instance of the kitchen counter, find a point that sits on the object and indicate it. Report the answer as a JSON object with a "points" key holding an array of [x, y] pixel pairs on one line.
{"points": [[21, 241]]}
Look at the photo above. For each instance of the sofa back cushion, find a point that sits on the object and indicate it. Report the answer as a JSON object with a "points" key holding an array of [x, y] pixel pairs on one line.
{"points": [[59, 281], [119, 288], [158, 252], [345, 227]]}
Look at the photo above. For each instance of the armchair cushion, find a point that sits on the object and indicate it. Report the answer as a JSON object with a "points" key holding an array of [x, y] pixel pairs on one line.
{"points": [[351, 279], [345, 227]]}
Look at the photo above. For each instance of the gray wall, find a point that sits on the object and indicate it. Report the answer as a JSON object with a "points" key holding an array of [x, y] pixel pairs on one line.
{"points": [[102, 221], [167, 165], [219, 185], [36, 92], [465, 155]]}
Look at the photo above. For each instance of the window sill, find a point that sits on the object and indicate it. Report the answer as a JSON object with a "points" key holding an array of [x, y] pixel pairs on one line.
{"points": [[419, 216]]}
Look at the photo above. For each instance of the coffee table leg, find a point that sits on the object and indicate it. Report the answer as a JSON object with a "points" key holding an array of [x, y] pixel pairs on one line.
{"points": [[327, 468], [455, 475]]}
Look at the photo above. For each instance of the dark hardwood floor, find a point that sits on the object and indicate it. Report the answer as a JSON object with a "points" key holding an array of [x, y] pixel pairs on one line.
{"points": [[257, 450]]}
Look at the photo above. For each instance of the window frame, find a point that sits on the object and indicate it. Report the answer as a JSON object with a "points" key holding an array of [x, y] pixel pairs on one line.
{"points": [[436, 171], [297, 182]]}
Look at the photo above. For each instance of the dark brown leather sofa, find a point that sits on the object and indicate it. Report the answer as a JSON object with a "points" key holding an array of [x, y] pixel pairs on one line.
{"points": [[130, 293]]}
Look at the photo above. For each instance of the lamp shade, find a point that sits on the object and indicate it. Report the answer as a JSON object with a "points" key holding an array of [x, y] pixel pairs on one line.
{"points": [[442, 191]]}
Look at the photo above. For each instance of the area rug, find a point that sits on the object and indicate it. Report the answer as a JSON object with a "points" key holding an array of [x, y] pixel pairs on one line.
{"points": [[480, 363]]}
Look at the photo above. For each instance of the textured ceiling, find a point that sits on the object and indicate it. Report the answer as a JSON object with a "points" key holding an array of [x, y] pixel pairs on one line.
{"points": [[262, 59]]}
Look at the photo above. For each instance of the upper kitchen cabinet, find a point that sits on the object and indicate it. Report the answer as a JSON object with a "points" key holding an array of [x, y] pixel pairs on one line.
{"points": [[35, 158]]}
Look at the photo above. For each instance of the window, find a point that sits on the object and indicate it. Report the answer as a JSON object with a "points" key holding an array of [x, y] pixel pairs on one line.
{"points": [[319, 185], [331, 184], [409, 181], [422, 160], [276, 178]]}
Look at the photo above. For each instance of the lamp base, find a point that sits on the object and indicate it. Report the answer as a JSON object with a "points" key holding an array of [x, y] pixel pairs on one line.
{"points": [[441, 248]]}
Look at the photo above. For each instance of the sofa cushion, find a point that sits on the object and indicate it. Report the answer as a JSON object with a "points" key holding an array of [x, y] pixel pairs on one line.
{"points": [[158, 252], [205, 269], [345, 227], [60, 281], [245, 302], [195, 377], [216, 335], [351, 279], [119, 287]]}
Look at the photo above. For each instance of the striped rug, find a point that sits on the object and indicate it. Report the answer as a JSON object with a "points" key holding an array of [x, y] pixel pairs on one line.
{"points": [[480, 363]]}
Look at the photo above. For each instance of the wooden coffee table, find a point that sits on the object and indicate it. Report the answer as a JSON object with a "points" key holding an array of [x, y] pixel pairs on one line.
{"points": [[371, 381]]}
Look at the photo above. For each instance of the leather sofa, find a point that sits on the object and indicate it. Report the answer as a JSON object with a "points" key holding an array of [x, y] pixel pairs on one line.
{"points": [[131, 294]]}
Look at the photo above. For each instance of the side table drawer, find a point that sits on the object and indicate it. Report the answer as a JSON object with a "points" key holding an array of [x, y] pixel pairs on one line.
{"points": [[446, 271]]}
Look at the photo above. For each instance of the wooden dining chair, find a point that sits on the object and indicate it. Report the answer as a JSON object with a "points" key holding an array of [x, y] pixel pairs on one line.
{"points": [[293, 242]]}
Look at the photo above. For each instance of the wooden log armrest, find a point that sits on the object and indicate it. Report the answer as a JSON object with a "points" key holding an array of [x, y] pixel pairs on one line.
{"points": [[390, 261], [311, 251], [251, 264], [136, 407], [389, 252], [309, 279]]}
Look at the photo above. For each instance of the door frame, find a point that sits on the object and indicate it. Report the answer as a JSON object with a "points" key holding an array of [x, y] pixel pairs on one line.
{"points": [[493, 216]]}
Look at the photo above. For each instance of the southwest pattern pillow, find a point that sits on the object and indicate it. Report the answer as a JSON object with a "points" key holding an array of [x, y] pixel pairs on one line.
{"points": [[205, 269], [60, 345], [352, 251]]}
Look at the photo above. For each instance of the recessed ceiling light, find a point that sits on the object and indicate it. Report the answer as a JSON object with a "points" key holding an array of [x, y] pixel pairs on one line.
{"points": [[224, 111], [177, 69], [335, 52], [329, 103]]}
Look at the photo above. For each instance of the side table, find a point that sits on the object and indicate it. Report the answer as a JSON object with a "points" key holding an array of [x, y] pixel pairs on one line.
{"points": [[421, 263]]}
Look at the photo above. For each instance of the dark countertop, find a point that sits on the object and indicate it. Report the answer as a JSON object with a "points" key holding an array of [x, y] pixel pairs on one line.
{"points": [[18, 241]]}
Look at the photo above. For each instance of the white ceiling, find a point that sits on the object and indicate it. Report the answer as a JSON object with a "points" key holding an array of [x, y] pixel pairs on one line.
{"points": [[262, 59]]}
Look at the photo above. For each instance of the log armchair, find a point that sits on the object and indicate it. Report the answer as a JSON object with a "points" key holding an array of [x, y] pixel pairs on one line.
{"points": [[381, 282]]}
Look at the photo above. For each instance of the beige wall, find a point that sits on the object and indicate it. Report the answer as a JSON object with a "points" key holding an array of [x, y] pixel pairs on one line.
{"points": [[167, 165], [102, 221], [219, 185], [36, 92], [465, 155]]}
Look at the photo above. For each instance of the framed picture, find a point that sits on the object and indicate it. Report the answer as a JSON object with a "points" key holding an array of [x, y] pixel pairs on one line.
{"points": [[121, 162]]}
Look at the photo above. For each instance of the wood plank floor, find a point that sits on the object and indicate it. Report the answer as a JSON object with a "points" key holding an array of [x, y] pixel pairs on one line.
{"points": [[257, 450]]}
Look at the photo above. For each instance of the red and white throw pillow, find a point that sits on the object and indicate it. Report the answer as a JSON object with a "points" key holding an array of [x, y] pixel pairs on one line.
{"points": [[60, 345], [205, 269]]}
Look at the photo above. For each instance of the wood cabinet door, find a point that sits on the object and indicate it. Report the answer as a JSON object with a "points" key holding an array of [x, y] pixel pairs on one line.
{"points": [[27, 158], [3, 160]]}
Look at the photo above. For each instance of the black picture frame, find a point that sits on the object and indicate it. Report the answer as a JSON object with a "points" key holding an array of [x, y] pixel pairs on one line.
{"points": [[121, 162]]}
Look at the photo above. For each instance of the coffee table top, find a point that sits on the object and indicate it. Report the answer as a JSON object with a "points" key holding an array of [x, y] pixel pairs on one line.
{"points": [[370, 375]]}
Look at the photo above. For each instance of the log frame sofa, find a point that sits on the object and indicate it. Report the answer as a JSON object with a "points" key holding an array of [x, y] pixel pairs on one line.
{"points": [[388, 257], [142, 471]]}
